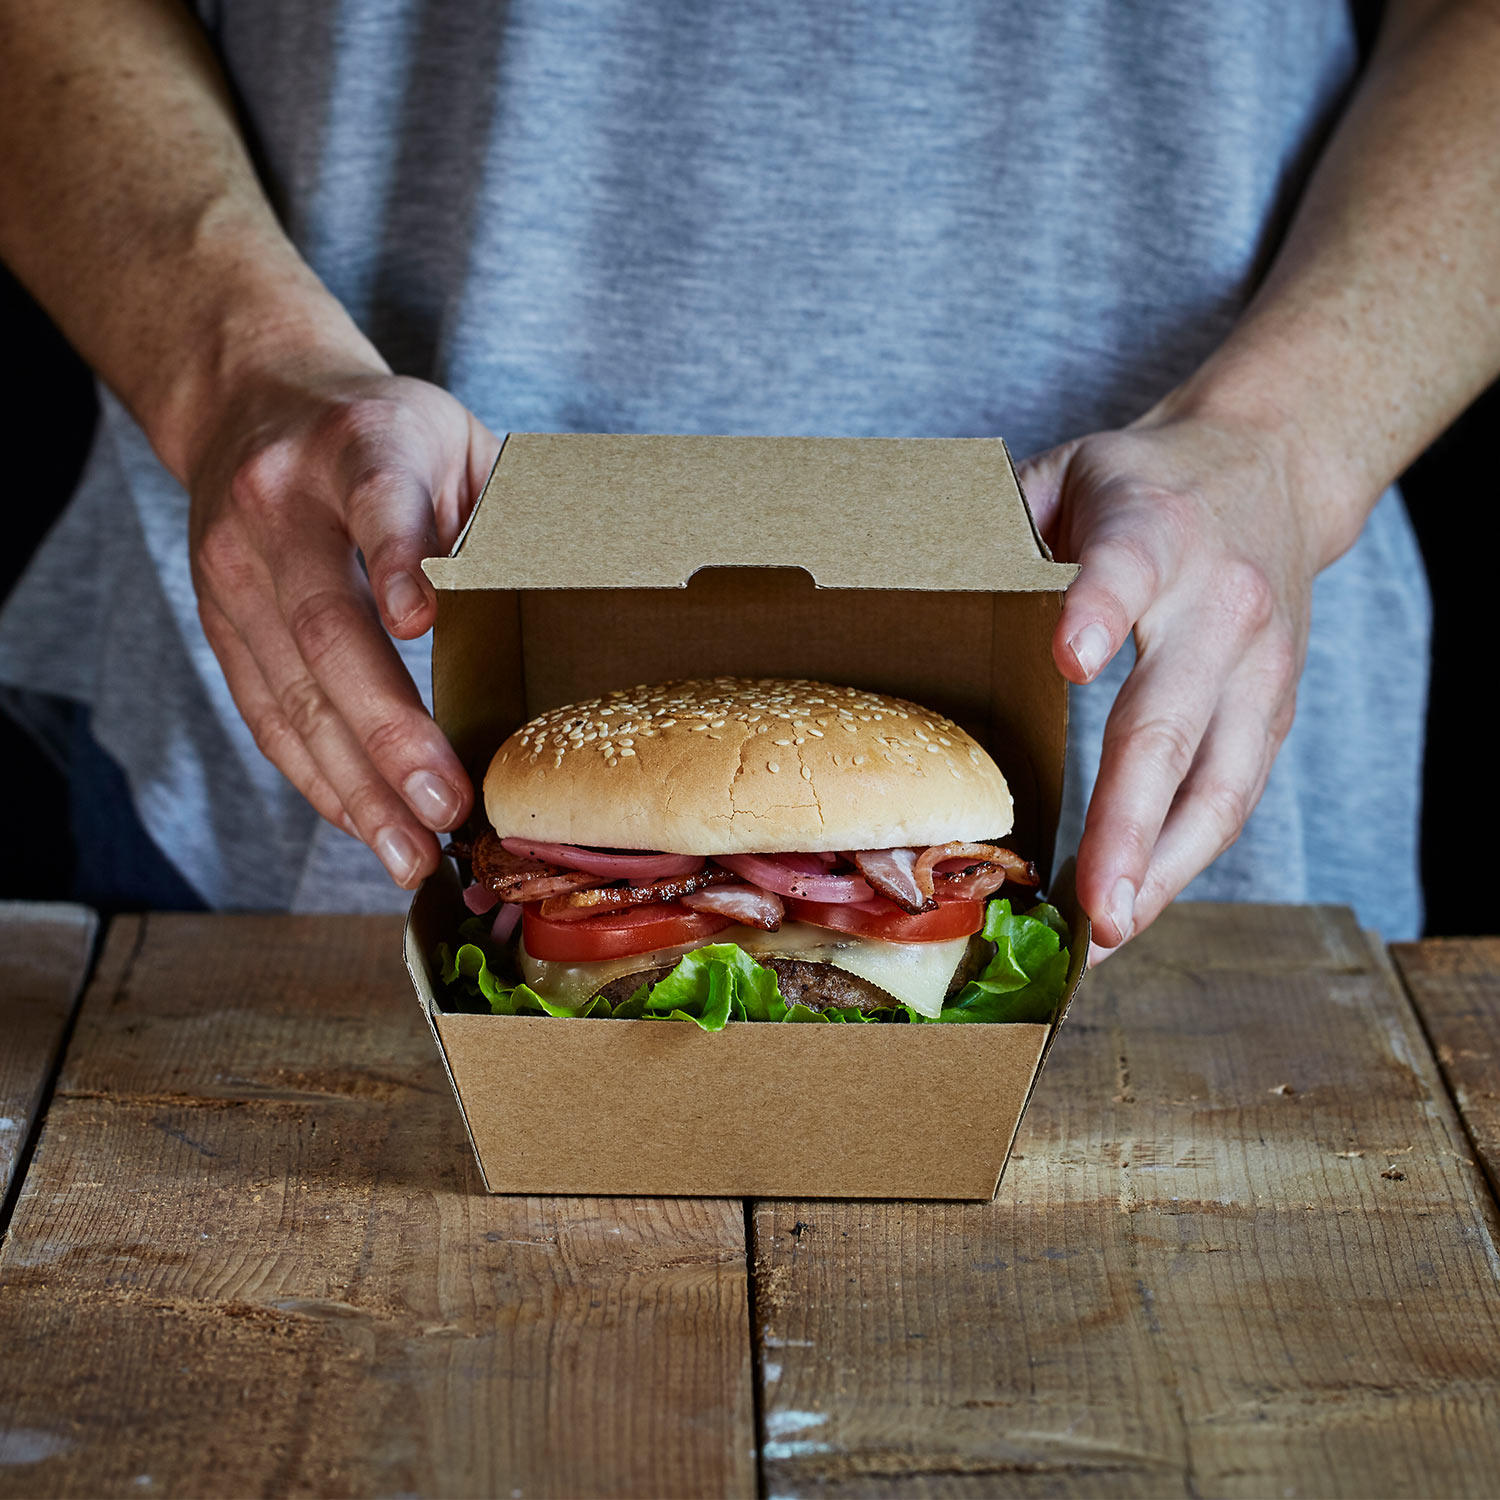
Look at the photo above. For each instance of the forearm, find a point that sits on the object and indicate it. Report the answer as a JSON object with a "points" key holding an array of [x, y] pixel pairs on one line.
{"points": [[1380, 318], [130, 208]]}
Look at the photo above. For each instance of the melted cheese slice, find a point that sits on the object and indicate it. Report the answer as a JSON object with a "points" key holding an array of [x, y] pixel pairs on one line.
{"points": [[917, 974]]}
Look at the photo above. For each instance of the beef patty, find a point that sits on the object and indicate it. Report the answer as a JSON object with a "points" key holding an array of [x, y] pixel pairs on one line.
{"points": [[817, 986]]}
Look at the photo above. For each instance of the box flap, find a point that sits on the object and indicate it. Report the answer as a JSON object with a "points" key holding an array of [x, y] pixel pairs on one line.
{"points": [[603, 511]]}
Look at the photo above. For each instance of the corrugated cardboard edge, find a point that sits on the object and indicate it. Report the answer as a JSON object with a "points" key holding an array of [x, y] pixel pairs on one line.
{"points": [[1041, 545], [415, 951], [1080, 935], [489, 479]]}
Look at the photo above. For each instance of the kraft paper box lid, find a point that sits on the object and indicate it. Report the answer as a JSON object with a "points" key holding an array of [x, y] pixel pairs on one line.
{"points": [[910, 566]]}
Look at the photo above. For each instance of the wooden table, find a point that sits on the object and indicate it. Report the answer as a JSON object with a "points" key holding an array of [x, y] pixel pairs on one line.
{"points": [[1246, 1247]]}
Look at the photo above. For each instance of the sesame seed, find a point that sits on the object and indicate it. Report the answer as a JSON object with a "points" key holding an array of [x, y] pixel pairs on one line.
{"points": [[628, 751], [859, 760], [614, 760], [936, 749], [807, 773], [781, 742], [772, 767]]}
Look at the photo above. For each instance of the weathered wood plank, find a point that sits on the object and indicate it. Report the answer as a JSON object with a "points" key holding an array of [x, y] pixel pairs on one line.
{"points": [[1240, 1252], [1455, 985], [44, 956], [253, 1256]]}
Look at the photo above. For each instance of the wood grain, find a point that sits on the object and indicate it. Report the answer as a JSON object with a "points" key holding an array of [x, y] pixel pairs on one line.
{"points": [[1241, 1251], [1455, 986], [44, 956], [253, 1256]]}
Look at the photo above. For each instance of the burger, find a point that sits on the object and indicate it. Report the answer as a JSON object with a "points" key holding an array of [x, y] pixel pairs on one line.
{"points": [[751, 849]]}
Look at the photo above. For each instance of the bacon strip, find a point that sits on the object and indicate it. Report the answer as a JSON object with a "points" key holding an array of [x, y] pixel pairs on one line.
{"points": [[565, 907], [747, 904], [892, 872], [515, 878]]}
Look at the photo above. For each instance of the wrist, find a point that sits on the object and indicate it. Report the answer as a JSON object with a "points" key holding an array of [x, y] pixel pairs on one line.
{"points": [[259, 321], [1307, 456]]}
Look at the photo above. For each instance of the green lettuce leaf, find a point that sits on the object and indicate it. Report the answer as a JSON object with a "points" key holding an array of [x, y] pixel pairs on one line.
{"points": [[1025, 979], [713, 985], [719, 983]]}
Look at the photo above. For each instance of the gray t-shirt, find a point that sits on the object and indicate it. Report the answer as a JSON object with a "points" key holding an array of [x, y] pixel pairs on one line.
{"points": [[940, 219]]}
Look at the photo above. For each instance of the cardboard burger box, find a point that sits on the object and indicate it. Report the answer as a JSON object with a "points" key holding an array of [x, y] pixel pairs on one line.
{"points": [[909, 566]]}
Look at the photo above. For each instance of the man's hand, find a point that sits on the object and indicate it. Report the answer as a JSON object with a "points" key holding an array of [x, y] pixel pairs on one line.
{"points": [[1201, 526], [309, 469], [1190, 534]]}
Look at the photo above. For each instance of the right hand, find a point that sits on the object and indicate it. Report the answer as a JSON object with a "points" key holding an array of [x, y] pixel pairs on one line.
{"points": [[307, 469]]}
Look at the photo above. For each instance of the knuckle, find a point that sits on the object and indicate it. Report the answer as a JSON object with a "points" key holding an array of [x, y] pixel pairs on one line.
{"points": [[305, 706], [321, 624], [261, 480], [389, 742], [223, 557], [370, 804], [1168, 744], [273, 736], [369, 492], [1135, 555], [358, 420], [1228, 806], [1244, 594]]}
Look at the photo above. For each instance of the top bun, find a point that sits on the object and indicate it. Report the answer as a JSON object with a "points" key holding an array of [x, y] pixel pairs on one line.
{"points": [[740, 765]]}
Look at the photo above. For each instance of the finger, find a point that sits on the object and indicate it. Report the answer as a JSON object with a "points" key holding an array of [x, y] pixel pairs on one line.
{"points": [[328, 611], [1223, 788], [272, 730], [389, 512], [381, 817], [1150, 742], [1123, 568], [1041, 480]]}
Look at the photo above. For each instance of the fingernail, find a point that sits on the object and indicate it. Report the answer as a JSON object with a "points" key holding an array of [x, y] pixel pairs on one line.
{"points": [[436, 802], [1121, 908], [1090, 647], [397, 853], [403, 597]]}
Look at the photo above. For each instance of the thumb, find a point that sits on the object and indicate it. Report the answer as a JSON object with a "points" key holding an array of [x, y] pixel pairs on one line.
{"points": [[1041, 478], [390, 517]]}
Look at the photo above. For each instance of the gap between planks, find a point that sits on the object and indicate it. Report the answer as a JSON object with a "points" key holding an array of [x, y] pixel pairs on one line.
{"points": [[47, 952], [1240, 1250], [254, 1256]]}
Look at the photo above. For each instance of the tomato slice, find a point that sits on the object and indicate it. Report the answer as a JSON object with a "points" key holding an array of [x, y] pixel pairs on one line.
{"points": [[884, 919], [617, 934]]}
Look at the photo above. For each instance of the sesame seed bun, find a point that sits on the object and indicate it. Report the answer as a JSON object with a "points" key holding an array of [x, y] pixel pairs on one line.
{"points": [[736, 765]]}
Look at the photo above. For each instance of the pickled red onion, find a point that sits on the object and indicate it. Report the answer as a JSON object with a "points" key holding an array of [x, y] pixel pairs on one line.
{"points": [[631, 867], [480, 899], [772, 873], [505, 921]]}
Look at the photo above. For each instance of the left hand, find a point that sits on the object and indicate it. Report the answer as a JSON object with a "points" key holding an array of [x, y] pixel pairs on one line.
{"points": [[1191, 533]]}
